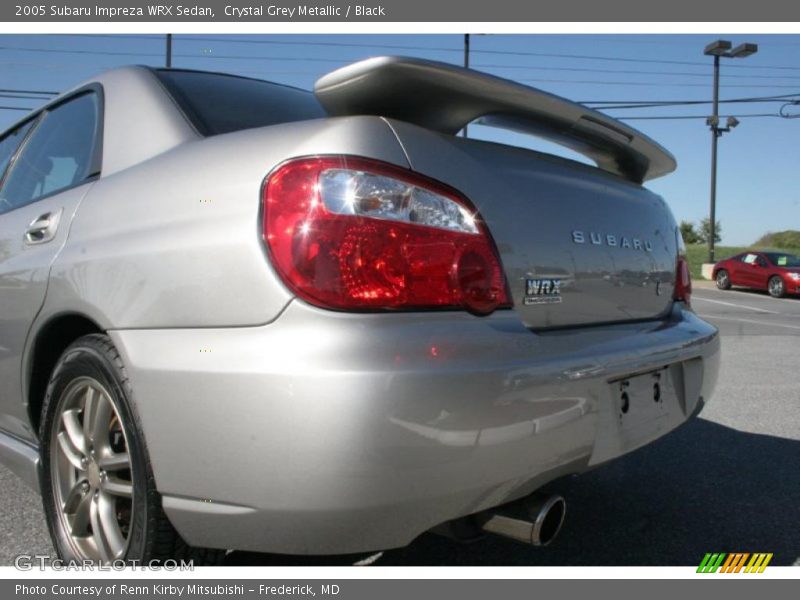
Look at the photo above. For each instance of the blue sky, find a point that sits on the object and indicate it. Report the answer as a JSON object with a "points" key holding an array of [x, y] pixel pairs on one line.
{"points": [[758, 161]]}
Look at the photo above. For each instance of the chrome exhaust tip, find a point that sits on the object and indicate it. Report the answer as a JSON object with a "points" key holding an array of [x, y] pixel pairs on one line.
{"points": [[545, 518]]}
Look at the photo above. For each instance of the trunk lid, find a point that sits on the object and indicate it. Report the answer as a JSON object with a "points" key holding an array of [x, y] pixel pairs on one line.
{"points": [[579, 246]]}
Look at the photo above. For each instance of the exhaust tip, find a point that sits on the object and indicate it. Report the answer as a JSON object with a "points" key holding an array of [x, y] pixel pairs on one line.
{"points": [[548, 517], [538, 524]]}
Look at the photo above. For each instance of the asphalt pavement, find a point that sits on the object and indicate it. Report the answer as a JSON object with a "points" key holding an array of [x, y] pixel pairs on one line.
{"points": [[727, 481]]}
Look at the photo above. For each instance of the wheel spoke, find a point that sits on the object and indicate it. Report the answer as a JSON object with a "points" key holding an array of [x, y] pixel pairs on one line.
{"points": [[75, 495], [107, 516], [89, 403], [117, 487], [96, 418], [81, 516], [116, 461], [72, 425], [68, 449], [97, 530]]}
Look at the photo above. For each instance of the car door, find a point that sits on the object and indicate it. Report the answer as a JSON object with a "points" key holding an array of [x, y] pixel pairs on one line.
{"points": [[734, 266], [746, 270], [44, 182], [761, 272]]}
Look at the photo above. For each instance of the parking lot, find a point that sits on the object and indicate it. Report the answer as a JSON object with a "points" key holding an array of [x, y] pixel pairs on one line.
{"points": [[727, 481]]}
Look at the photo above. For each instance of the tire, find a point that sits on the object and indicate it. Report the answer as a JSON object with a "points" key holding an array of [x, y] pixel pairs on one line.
{"points": [[776, 287], [723, 280], [98, 490]]}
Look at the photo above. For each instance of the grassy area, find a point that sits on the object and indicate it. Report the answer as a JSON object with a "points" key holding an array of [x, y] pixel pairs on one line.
{"points": [[697, 254]]}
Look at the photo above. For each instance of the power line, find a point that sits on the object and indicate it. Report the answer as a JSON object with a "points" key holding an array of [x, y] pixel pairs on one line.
{"points": [[631, 60], [635, 72], [607, 39], [66, 51], [23, 97], [388, 46], [338, 61], [605, 104], [161, 54], [671, 105], [131, 36], [229, 39], [562, 69], [28, 92], [679, 117], [648, 103], [459, 49], [668, 105], [658, 84]]}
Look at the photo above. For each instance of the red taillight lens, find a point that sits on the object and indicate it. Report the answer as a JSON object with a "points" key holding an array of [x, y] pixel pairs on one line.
{"points": [[356, 234], [683, 282]]}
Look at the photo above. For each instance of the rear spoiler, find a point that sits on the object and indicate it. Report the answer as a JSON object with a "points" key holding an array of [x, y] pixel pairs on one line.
{"points": [[445, 98]]}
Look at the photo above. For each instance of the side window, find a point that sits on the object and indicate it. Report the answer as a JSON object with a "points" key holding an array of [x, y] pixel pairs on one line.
{"points": [[58, 155], [749, 259], [761, 261], [9, 145]]}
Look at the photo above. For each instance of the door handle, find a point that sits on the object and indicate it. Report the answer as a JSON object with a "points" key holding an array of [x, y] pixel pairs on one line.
{"points": [[43, 228]]}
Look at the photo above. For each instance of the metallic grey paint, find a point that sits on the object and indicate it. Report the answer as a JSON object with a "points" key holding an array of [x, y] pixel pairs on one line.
{"points": [[356, 432]]}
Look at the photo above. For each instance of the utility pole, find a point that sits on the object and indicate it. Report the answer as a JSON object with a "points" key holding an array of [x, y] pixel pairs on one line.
{"points": [[169, 50], [466, 65]]}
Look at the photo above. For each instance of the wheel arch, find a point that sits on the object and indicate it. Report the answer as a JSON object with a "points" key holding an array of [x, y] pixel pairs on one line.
{"points": [[46, 345]]}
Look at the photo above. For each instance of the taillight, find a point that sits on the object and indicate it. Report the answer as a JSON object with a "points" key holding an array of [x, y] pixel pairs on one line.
{"points": [[356, 234], [683, 282]]}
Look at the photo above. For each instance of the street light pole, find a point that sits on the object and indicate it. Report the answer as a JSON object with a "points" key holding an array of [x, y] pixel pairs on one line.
{"points": [[719, 49], [712, 211]]}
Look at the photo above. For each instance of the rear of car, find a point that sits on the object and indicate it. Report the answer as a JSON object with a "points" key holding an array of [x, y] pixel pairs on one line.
{"points": [[344, 324]]}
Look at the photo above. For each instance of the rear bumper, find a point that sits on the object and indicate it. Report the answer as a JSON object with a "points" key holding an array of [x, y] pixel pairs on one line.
{"points": [[331, 433]]}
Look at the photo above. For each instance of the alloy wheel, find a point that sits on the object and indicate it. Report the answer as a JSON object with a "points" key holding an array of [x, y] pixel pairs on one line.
{"points": [[91, 472], [776, 287]]}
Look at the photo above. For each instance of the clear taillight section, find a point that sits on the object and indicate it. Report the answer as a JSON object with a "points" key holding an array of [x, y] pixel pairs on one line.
{"points": [[355, 234], [683, 282]]}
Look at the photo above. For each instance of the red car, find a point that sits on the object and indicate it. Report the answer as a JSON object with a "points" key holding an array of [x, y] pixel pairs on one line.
{"points": [[776, 272]]}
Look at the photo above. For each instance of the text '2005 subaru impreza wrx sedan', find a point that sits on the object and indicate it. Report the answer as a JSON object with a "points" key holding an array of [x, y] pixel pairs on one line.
{"points": [[238, 315]]}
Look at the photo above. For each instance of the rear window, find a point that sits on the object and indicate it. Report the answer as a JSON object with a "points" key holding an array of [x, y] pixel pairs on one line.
{"points": [[217, 103]]}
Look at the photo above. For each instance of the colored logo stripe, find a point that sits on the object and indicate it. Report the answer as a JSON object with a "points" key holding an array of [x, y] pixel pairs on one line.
{"points": [[734, 562], [711, 563], [758, 563]]}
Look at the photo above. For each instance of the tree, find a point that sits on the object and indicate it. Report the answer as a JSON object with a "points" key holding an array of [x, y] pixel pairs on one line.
{"points": [[689, 233], [705, 231]]}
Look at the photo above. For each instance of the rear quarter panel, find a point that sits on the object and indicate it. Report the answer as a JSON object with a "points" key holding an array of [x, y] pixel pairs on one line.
{"points": [[175, 241]]}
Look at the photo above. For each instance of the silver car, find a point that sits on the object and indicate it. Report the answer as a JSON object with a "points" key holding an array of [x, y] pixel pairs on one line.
{"points": [[239, 315]]}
